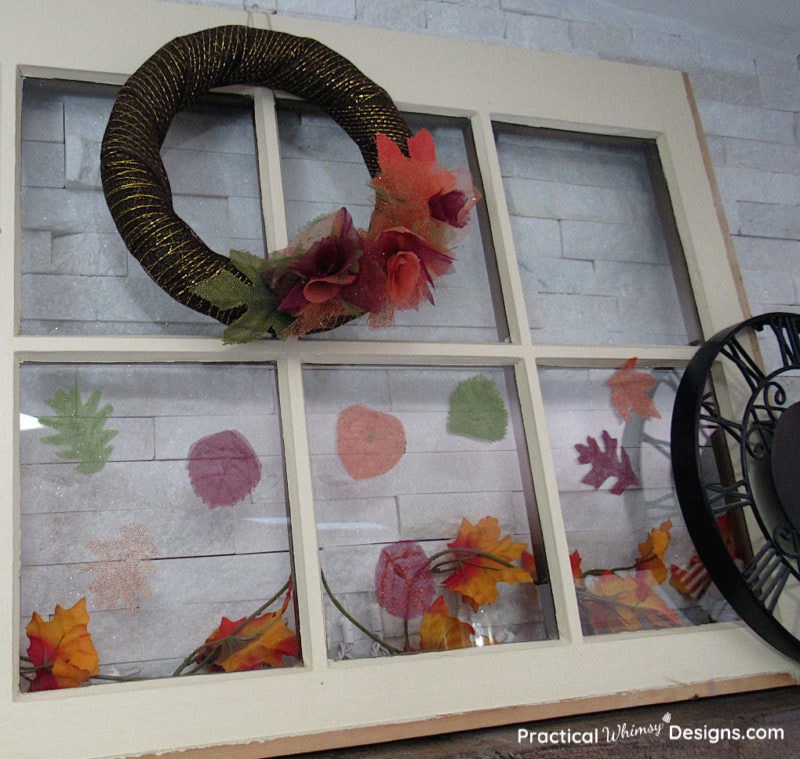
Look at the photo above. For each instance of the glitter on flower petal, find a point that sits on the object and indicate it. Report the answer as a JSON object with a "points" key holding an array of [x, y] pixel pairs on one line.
{"points": [[223, 468]]}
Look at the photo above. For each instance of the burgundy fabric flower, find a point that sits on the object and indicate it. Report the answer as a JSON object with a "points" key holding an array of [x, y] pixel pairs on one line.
{"points": [[403, 580], [323, 264], [449, 207]]}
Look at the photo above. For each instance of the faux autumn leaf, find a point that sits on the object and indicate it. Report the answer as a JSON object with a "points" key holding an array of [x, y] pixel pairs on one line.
{"points": [[403, 580], [651, 552], [617, 603], [369, 442], [477, 410], [477, 549], [263, 641], [441, 632], [225, 291], [629, 392], [606, 463], [80, 428], [692, 579], [575, 560], [62, 649]]}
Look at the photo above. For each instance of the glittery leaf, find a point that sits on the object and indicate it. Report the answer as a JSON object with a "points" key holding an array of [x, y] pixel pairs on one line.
{"points": [[477, 410], [80, 429]]}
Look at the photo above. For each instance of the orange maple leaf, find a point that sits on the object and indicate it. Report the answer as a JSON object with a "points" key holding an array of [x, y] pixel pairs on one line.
{"points": [[243, 645], [692, 579], [61, 648], [618, 603], [482, 560], [629, 392], [651, 552], [441, 632]]}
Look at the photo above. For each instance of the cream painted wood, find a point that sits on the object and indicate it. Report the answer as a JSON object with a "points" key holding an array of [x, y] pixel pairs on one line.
{"points": [[441, 76]]}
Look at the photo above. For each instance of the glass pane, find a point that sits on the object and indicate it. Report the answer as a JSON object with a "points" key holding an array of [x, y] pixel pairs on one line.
{"points": [[157, 494], [598, 252], [634, 565], [421, 481], [323, 171], [77, 275]]}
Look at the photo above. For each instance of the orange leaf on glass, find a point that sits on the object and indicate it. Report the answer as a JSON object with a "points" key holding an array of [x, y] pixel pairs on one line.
{"points": [[62, 649], [629, 392], [441, 632], [651, 551], [369, 442], [575, 560], [264, 641], [476, 574], [403, 579]]}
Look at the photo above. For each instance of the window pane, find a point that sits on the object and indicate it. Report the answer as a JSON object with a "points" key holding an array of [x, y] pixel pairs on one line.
{"points": [[619, 504], [157, 493], [400, 456], [598, 252], [323, 171], [77, 275]]}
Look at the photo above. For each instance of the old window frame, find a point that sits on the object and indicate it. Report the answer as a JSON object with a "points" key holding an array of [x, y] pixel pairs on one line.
{"points": [[304, 708]]}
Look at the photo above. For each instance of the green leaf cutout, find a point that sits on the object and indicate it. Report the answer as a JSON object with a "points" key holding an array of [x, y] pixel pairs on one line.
{"points": [[225, 290], [80, 429], [477, 410]]}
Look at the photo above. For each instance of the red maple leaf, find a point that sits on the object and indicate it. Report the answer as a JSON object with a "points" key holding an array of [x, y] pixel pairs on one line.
{"points": [[606, 463], [629, 392]]}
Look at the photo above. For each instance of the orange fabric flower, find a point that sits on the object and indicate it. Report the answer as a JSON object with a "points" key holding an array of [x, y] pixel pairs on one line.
{"points": [[476, 574], [441, 632], [62, 648], [416, 192]]}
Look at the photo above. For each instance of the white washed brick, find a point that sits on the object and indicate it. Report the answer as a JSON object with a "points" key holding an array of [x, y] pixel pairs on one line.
{"points": [[536, 237], [642, 243], [65, 211], [356, 522], [780, 92], [769, 287], [42, 164], [483, 24], [759, 186], [86, 117], [765, 156], [747, 122], [338, 9], [538, 32], [176, 435], [37, 255], [592, 39], [765, 254], [406, 15], [769, 220], [194, 172], [726, 87], [42, 117], [89, 254], [530, 7]]}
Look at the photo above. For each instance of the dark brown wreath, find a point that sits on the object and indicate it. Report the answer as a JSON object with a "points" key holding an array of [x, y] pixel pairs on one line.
{"points": [[135, 182]]}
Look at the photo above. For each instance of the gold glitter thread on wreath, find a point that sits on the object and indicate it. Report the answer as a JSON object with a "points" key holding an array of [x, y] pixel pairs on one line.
{"points": [[135, 181]]}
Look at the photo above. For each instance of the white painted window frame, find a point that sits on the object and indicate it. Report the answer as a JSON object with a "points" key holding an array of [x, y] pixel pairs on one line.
{"points": [[325, 703]]}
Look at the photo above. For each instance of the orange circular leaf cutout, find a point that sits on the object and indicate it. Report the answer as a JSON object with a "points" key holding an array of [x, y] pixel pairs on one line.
{"points": [[369, 442]]}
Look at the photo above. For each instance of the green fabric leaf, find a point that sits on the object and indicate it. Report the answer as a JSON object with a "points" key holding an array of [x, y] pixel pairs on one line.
{"points": [[80, 429], [225, 290], [477, 410]]}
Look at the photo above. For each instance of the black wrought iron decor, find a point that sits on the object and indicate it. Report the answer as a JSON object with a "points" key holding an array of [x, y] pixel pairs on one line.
{"points": [[736, 462]]}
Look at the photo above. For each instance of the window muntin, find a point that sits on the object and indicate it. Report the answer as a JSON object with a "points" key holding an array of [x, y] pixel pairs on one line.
{"points": [[598, 252], [77, 275], [167, 535], [420, 498], [323, 170]]}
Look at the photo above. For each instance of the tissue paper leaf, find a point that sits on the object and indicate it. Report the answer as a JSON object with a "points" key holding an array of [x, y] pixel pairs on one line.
{"points": [[80, 429], [477, 410]]}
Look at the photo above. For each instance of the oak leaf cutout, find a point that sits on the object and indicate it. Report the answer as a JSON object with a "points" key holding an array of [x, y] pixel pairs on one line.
{"points": [[606, 463], [629, 389]]}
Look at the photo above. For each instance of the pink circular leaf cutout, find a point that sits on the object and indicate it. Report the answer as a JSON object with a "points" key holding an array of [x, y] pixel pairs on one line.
{"points": [[223, 468], [370, 442]]}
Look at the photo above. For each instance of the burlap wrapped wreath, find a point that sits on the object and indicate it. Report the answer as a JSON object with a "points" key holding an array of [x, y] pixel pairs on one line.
{"points": [[331, 272]]}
